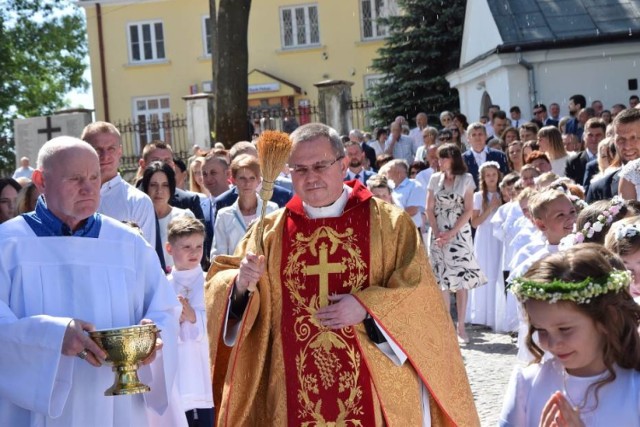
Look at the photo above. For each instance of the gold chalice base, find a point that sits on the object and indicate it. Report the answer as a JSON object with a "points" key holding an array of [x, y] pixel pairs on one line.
{"points": [[125, 348]]}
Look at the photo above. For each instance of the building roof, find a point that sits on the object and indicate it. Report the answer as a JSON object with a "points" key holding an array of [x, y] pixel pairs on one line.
{"points": [[557, 23]]}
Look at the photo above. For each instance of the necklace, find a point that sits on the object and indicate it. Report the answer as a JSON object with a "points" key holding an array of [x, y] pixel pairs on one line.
{"points": [[580, 408]]}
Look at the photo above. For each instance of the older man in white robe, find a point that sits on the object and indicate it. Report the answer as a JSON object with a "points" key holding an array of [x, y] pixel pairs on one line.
{"points": [[66, 270]]}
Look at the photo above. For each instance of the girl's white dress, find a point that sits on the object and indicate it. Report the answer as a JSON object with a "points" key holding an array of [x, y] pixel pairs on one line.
{"points": [[504, 227], [481, 309], [530, 388]]}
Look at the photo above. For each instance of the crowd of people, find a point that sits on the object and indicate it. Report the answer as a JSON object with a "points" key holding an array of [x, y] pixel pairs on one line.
{"points": [[364, 232]]}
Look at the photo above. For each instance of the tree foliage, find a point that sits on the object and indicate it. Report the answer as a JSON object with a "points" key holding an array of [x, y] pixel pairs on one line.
{"points": [[423, 45], [230, 61], [42, 52]]}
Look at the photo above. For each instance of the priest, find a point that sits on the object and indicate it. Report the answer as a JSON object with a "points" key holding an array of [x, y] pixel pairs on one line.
{"points": [[65, 271], [340, 322]]}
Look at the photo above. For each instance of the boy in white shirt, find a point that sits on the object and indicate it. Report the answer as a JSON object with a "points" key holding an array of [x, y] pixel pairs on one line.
{"points": [[185, 245]]}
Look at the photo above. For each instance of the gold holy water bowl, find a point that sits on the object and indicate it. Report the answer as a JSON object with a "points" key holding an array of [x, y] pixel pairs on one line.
{"points": [[125, 348]]}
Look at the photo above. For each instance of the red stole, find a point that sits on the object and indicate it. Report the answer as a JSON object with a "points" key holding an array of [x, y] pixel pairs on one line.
{"points": [[327, 379]]}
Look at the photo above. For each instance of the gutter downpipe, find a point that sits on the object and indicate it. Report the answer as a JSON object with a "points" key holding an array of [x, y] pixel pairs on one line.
{"points": [[533, 92], [103, 73]]}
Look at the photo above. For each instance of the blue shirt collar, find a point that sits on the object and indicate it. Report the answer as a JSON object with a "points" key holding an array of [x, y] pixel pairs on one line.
{"points": [[45, 224]]}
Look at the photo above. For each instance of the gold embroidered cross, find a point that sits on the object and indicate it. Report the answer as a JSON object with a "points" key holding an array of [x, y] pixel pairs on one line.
{"points": [[323, 269]]}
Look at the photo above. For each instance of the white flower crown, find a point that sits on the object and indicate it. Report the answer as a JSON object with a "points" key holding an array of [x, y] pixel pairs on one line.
{"points": [[605, 218], [578, 292], [489, 164], [626, 231]]}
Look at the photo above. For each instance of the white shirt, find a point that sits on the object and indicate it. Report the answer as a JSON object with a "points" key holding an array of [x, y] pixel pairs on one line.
{"points": [[23, 172], [411, 193], [230, 227], [416, 135], [480, 157], [122, 201], [114, 280], [558, 165], [424, 176]]}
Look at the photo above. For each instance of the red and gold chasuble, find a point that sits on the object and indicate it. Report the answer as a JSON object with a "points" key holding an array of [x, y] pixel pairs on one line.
{"points": [[328, 382]]}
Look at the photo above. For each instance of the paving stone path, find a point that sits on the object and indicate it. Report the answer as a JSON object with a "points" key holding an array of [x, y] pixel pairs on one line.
{"points": [[489, 359]]}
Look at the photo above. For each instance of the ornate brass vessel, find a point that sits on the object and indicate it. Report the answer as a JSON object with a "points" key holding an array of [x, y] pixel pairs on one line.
{"points": [[125, 348]]}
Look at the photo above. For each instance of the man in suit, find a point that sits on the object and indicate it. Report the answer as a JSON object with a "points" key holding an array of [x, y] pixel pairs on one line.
{"points": [[626, 127], [499, 123], [540, 114], [516, 116], [355, 158], [480, 153], [369, 152], [595, 129], [576, 103]]}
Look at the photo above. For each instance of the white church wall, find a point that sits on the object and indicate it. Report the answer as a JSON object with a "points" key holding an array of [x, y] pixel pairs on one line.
{"points": [[598, 72], [480, 31]]}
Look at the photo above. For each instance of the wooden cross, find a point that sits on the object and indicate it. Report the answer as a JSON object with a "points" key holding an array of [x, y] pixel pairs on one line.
{"points": [[49, 130], [323, 269]]}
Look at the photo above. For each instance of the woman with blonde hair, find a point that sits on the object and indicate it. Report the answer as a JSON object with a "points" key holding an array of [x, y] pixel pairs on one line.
{"points": [[196, 182], [550, 141]]}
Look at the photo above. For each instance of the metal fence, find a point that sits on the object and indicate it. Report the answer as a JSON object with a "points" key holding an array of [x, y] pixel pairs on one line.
{"points": [[172, 129], [360, 109], [135, 135], [287, 119]]}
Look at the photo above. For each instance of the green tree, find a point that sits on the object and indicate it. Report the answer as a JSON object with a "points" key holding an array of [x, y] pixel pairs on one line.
{"points": [[42, 57], [230, 61], [423, 45]]}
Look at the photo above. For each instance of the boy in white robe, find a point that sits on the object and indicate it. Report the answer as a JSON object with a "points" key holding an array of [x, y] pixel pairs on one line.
{"points": [[554, 215], [64, 271], [185, 245]]}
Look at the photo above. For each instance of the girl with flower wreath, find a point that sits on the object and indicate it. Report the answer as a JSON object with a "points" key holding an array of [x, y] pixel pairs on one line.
{"points": [[586, 370], [595, 220], [623, 239]]}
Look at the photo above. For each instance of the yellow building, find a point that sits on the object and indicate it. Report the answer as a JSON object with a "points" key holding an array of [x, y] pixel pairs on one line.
{"points": [[147, 54]]}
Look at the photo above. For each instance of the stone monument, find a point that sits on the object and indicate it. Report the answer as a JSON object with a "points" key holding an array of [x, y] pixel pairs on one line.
{"points": [[32, 133]]}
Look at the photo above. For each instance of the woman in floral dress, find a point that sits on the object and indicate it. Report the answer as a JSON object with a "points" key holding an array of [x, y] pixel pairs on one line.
{"points": [[449, 207]]}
